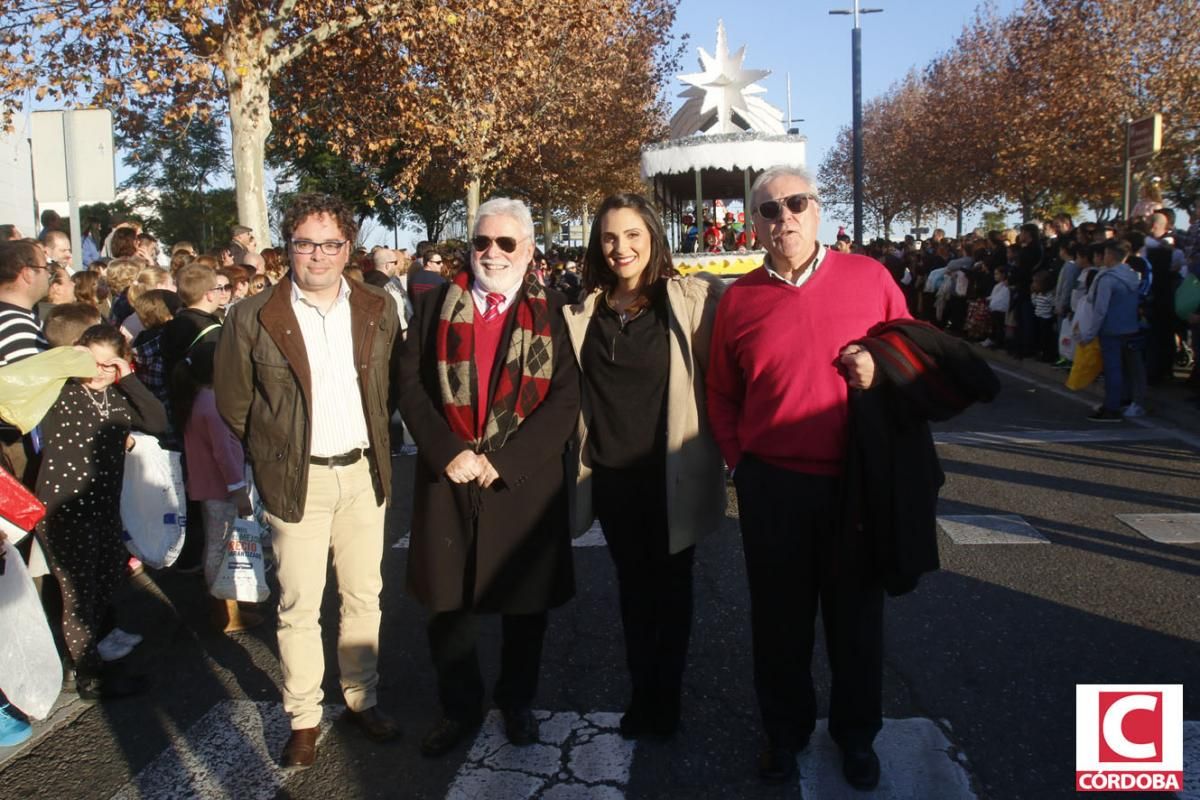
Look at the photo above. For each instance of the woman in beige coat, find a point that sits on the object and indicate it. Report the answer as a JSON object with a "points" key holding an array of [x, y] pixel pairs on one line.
{"points": [[649, 469]]}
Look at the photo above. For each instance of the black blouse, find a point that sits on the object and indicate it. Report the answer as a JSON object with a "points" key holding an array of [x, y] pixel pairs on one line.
{"points": [[625, 368]]}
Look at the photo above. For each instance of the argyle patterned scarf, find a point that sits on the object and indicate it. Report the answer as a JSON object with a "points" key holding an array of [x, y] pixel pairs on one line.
{"points": [[524, 378]]}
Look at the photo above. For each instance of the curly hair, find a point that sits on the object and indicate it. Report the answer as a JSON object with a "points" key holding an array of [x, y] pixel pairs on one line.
{"points": [[310, 204]]}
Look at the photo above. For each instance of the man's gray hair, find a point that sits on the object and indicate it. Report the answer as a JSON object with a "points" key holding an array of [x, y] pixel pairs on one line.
{"points": [[238, 230], [782, 171], [506, 207]]}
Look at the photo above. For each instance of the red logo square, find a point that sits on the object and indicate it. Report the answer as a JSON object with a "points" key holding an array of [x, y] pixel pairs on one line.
{"points": [[1131, 726]]}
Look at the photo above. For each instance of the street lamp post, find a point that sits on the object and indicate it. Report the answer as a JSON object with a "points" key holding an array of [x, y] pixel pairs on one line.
{"points": [[856, 77]]}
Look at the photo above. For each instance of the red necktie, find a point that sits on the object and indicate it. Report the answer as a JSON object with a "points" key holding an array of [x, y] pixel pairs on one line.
{"points": [[494, 299]]}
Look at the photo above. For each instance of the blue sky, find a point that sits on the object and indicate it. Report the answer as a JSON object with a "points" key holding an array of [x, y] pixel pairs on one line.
{"points": [[801, 37]]}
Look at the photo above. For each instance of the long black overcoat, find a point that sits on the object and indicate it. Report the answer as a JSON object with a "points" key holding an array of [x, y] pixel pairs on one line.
{"points": [[506, 548]]}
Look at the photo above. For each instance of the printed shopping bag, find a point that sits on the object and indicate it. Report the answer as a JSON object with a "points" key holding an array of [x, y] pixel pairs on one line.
{"points": [[241, 576]]}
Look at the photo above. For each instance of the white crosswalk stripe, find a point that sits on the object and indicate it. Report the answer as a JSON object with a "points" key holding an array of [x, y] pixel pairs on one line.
{"points": [[916, 760], [1165, 528], [575, 758], [232, 752], [990, 529]]}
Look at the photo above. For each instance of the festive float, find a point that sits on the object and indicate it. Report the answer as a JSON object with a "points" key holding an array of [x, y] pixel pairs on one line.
{"points": [[722, 137]]}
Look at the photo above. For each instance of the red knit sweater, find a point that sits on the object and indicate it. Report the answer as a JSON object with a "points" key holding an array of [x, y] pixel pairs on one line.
{"points": [[487, 347], [774, 388]]}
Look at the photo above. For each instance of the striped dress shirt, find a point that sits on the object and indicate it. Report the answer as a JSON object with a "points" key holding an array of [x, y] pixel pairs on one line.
{"points": [[338, 423], [20, 334]]}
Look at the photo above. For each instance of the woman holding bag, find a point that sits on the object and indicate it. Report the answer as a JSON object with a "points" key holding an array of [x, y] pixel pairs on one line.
{"points": [[648, 465]]}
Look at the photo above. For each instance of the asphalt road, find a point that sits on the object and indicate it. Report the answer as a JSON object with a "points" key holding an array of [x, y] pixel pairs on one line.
{"points": [[979, 686]]}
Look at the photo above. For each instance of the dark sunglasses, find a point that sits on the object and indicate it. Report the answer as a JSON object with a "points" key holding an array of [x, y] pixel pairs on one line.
{"points": [[505, 243], [796, 203]]}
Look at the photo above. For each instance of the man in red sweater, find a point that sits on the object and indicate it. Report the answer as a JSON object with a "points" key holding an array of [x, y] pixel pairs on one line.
{"points": [[779, 378]]}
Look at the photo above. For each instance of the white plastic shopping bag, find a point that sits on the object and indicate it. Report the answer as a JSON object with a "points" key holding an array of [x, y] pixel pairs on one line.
{"points": [[30, 671], [241, 576], [153, 502], [1066, 339]]}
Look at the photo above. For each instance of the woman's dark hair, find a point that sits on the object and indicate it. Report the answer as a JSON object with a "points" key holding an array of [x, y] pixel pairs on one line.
{"points": [[105, 334], [191, 375], [596, 272]]}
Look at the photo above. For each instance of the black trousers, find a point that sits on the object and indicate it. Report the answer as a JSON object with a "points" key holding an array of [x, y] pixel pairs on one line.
{"points": [[452, 640], [797, 560], [654, 586]]}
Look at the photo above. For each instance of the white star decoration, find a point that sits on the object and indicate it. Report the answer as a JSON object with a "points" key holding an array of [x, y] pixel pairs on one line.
{"points": [[721, 99]]}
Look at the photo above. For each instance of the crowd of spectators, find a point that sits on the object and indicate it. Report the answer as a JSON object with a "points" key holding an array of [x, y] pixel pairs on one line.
{"points": [[1041, 290]]}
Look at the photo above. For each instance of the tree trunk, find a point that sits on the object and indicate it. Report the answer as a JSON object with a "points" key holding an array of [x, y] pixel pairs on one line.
{"points": [[587, 226], [547, 222], [250, 124], [472, 205], [958, 208]]}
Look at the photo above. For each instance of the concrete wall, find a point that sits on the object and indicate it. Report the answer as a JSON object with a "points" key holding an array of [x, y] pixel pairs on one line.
{"points": [[16, 183]]}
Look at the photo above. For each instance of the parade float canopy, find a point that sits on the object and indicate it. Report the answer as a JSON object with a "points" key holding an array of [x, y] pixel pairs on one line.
{"points": [[724, 131]]}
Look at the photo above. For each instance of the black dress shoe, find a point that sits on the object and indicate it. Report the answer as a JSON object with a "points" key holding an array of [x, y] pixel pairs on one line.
{"points": [[445, 735], [301, 748], [776, 764], [520, 726], [860, 766], [377, 725]]}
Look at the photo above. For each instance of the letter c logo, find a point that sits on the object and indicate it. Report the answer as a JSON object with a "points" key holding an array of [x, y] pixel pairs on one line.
{"points": [[1115, 737]]}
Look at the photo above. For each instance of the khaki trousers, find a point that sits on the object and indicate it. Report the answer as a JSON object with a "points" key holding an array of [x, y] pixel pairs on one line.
{"points": [[340, 516]]}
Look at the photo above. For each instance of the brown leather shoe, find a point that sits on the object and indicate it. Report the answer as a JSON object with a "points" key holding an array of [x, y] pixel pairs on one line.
{"points": [[301, 748], [377, 725]]}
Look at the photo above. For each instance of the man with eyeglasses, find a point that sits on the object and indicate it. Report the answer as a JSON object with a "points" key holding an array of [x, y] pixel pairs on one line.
{"points": [[490, 390], [303, 377], [429, 276], [389, 269], [782, 367], [24, 280]]}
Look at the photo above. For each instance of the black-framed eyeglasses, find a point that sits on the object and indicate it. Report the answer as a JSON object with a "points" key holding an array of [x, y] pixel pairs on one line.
{"points": [[506, 243], [438, 261], [304, 247], [36, 267], [796, 203], [223, 287]]}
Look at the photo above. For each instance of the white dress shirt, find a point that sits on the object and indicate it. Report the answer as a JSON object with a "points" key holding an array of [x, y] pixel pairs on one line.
{"points": [[338, 424], [804, 276], [480, 295]]}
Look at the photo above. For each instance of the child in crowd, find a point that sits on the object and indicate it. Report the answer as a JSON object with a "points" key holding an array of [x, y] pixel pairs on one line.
{"points": [[1114, 319], [1043, 314], [83, 463], [216, 476], [1065, 286], [998, 302]]}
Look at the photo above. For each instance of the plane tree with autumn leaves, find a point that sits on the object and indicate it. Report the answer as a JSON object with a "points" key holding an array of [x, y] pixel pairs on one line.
{"points": [[479, 87], [1028, 110]]}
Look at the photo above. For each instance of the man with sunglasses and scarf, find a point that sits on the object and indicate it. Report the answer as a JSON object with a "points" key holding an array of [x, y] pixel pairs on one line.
{"points": [[781, 369], [490, 391], [304, 373]]}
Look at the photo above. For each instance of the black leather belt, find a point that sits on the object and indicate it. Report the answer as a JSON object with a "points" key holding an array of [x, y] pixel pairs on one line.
{"points": [[343, 460]]}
